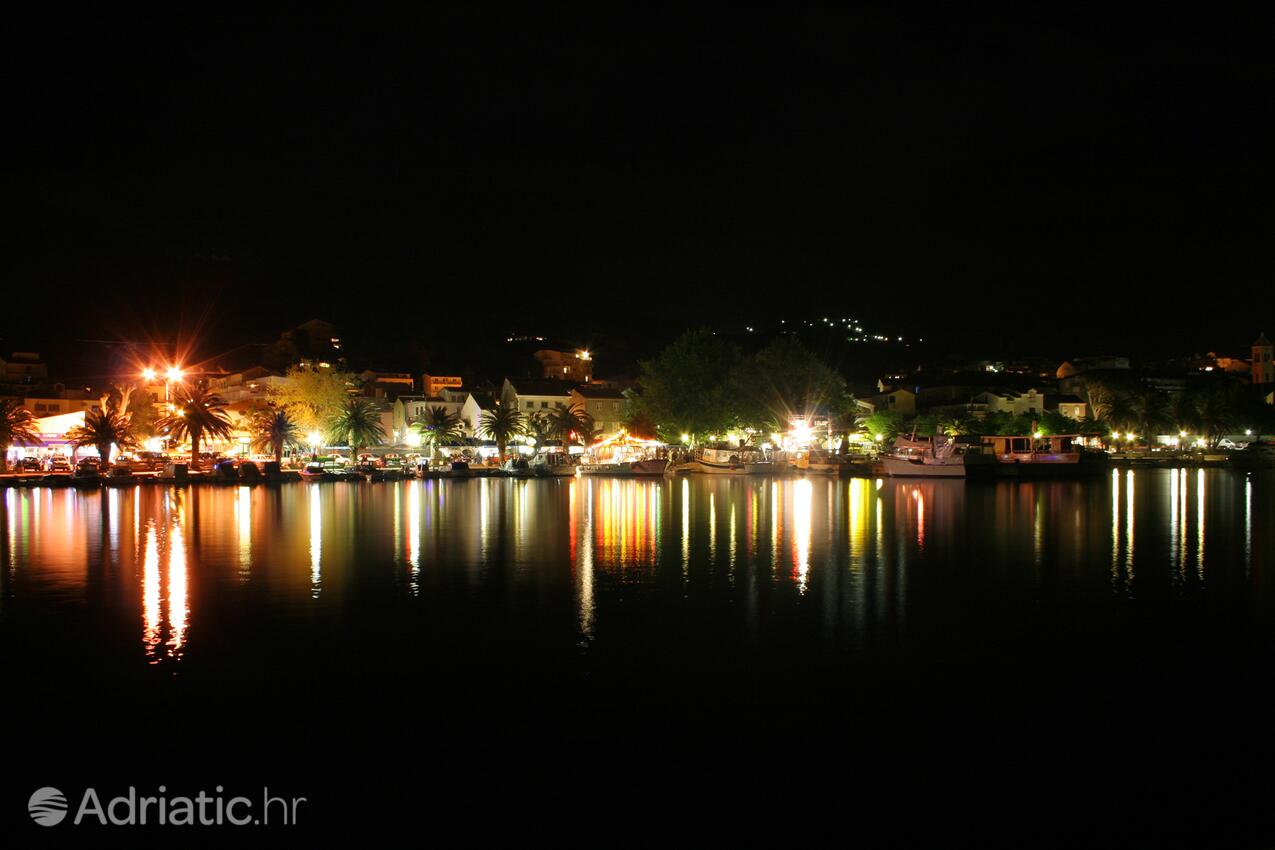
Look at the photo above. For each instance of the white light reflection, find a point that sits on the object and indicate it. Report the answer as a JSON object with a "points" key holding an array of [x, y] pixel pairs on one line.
{"points": [[686, 528], [414, 535], [316, 542], [1199, 522], [1128, 526], [1248, 523]]}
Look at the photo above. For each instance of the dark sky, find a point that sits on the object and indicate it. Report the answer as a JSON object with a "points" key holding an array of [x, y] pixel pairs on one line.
{"points": [[1062, 181]]}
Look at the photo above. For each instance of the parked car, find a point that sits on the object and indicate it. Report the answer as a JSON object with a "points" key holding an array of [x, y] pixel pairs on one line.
{"points": [[29, 464], [57, 463], [88, 466]]}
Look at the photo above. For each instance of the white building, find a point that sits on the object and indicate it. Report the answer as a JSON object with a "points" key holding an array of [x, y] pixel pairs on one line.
{"points": [[535, 395]]}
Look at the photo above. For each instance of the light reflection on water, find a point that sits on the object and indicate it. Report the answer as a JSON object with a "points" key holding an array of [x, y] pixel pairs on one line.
{"points": [[860, 551]]}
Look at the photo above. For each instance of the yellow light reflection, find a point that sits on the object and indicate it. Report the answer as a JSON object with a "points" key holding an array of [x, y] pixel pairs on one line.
{"points": [[150, 590], [803, 494], [178, 604], [712, 528], [585, 571], [243, 521]]}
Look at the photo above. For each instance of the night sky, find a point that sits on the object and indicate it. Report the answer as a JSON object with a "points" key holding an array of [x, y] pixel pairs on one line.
{"points": [[1069, 184]]}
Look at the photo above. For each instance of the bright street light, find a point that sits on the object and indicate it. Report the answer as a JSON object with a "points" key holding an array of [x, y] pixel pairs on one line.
{"points": [[174, 374], [148, 374]]}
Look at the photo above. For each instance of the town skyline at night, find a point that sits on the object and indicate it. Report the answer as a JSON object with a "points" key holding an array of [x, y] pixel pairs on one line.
{"points": [[638, 423]]}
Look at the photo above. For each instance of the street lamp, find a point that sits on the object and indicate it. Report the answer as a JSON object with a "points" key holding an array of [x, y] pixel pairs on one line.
{"points": [[171, 374], [315, 439]]}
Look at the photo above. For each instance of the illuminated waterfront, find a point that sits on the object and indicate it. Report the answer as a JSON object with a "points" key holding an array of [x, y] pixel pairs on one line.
{"points": [[691, 615]]}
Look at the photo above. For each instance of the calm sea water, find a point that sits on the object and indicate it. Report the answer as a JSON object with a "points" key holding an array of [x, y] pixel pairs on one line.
{"points": [[503, 644]]}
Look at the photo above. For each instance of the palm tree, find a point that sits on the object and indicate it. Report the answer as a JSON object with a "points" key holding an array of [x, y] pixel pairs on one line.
{"points": [[439, 427], [357, 423], [585, 432], [1101, 398], [110, 423], [1116, 412], [1186, 413], [956, 424], [196, 413], [502, 423], [1150, 414], [540, 429], [1217, 414], [642, 425], [571, 422], [17, 426], [272, 429]]}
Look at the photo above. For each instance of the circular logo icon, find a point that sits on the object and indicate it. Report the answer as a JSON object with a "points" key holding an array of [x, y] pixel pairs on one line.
{"points": [[47, 807]]}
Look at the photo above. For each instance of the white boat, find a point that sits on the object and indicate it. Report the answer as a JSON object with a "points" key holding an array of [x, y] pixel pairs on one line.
{"points": [[733, 461], [934, 457]]}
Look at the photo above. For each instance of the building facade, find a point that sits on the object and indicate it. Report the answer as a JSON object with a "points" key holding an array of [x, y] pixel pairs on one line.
{"points": [[604, 405], [1262, 365], [574, 366]]}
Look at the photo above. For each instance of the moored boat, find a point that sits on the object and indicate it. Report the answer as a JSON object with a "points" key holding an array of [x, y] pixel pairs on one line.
{"points": [[316, 472], [517, 467], [821, 462], [624, 454], [553, 464], [1042, 456], [733, 460], [934, 457]]}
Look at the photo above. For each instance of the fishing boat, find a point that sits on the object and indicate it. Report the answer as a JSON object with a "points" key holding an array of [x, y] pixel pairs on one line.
{"points": [[517, 467], [733, 460], [624, 454], [934, 457], [1041, 456], [315, 471], [821, 462], [553, 464]]}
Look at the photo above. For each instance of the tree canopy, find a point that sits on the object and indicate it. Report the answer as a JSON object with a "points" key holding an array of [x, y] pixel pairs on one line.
{"points": [[313, 395], [686, 388], [783, 381]]}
